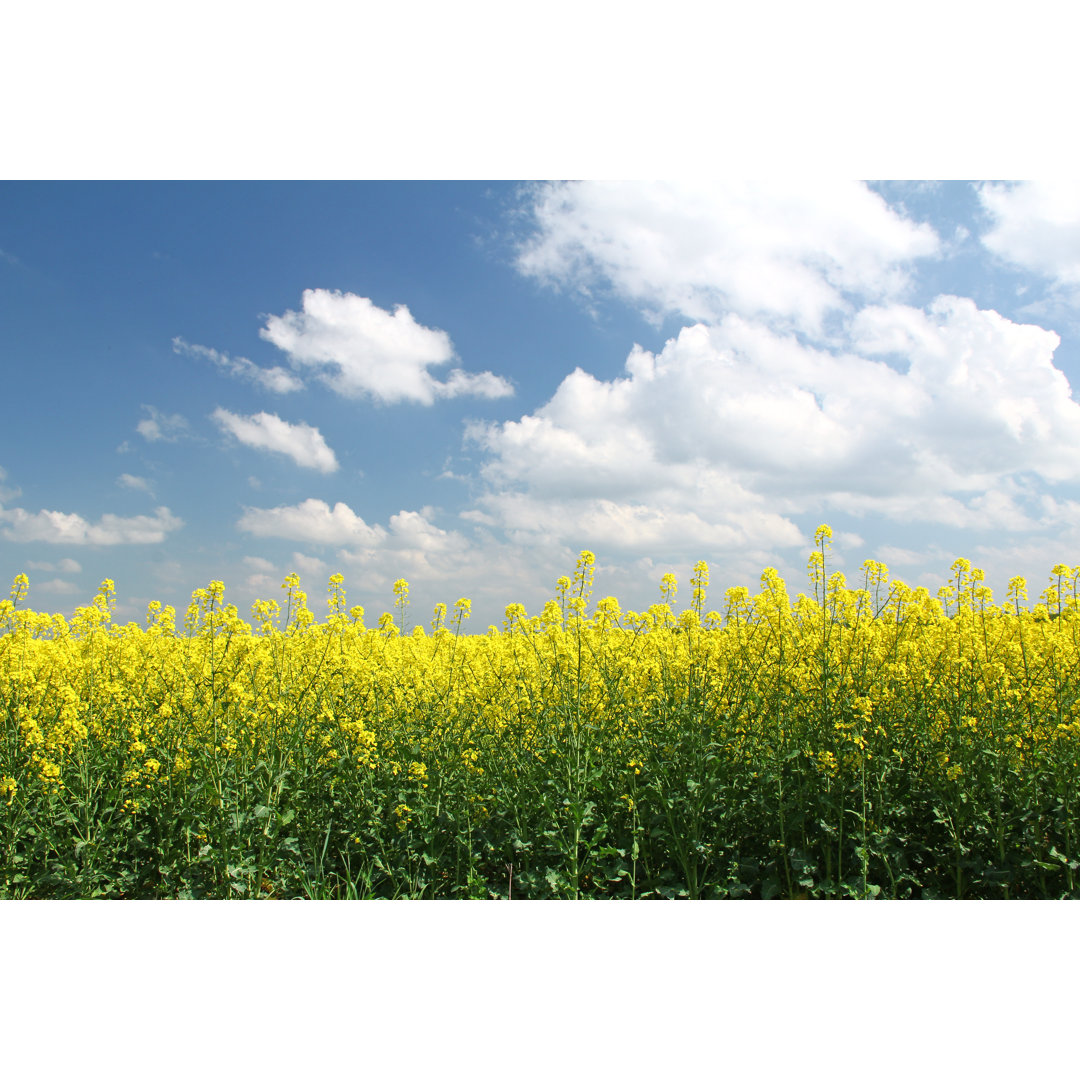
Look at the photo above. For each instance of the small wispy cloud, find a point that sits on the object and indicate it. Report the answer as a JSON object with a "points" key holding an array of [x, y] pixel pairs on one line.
{"points": [[135, 483], [275, 379], [158, 427], [6, 493], [57, 587], [64, 566], [266, 431]]}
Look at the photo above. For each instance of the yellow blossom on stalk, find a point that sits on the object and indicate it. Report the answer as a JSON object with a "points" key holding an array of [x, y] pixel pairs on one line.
{"points": [[48, 771], [1017, 589], [669, 586], [462, 610], [583, 577], [515, 616], [563, 585], [827, 762], [608, 613], [699, 582], [738, 599], [863, 707], [32, 735], [335, 602], [105, 600], [403, 814], [265, 611], [961, 567], [401, 601], [20, 586]]}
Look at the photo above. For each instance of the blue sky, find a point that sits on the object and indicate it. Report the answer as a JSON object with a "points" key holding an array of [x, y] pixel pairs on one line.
{"points": [[466, 383]]}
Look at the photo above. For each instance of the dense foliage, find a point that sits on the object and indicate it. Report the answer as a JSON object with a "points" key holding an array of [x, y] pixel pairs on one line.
{"points": [[871, 741]]}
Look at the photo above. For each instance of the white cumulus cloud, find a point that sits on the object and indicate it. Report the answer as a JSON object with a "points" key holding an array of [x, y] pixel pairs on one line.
{"points": [[275, 379], [56, 527], [1036, 225], [410, 537], [788, 250], [314, 521], [991, 401], [267, 431], [945, 415], [360, 350]]}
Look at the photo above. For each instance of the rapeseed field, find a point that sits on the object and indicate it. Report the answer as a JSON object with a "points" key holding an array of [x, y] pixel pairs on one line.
{"points": [[869, 741]]}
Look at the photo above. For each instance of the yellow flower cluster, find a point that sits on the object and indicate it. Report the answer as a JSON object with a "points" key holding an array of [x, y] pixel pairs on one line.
{"points": [[842, 677]]}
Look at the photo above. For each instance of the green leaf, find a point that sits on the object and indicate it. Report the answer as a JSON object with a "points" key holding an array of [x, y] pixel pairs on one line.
{"points": [[607, 852]]}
